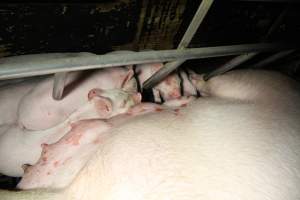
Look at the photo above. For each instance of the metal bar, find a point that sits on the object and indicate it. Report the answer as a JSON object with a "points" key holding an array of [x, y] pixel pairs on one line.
{"points": [[185, 41], [59, 85], [272, 58], [243, 58], [27, 68], [230, 65], [195, 23]]}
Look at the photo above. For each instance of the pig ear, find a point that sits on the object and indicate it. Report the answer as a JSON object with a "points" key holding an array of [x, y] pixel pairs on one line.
{"points": [[104, 106], [96, 92], [127, 78]]}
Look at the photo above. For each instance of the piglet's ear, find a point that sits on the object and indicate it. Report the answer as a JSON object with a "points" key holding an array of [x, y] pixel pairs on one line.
{"points": [[127, 78], [104, 106], [95, 93]]}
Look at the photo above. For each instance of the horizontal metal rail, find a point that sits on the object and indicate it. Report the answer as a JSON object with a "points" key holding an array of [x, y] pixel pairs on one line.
{"points": [[10, 69]]}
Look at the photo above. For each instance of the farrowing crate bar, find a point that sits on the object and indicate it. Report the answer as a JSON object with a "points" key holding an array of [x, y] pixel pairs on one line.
{"points": [[60, 66]]}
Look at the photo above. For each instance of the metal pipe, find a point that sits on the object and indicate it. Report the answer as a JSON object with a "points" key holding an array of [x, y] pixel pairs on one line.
{"points": [[272, 58], [243, 58], [27, 68], [195, 23], [230, 65], [59, 85], [185, 41], [59, 78]]}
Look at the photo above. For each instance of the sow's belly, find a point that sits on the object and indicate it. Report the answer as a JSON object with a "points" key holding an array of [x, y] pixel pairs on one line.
{"points": [[209, 150]]}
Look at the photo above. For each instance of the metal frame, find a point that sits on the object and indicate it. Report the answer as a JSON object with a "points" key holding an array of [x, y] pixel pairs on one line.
{"points": [[10, 70], [185, 41], [60, 66]]}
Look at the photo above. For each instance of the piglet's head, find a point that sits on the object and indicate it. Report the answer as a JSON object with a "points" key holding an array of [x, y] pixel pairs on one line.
{"points": [[199, 82], [109, 103]]}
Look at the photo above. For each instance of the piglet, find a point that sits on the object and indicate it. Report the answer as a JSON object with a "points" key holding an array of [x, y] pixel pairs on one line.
{"points": [[102, 104], [227, 145], [39, 104], [168, 89], [12, 91]]}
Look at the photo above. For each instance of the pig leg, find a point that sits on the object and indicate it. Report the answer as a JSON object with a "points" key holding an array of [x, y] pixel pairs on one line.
{"points": [[144, 108], [60, 162], [137, 110], [179, 102]]}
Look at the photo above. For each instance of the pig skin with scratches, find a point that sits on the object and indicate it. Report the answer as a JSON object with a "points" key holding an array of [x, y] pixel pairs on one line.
{"points": [[26, 144], [229, 145]]}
